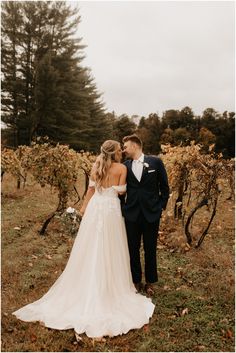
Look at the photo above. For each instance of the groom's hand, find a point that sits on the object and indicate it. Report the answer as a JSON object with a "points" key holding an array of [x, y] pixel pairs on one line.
{"points": [[122, 198]]}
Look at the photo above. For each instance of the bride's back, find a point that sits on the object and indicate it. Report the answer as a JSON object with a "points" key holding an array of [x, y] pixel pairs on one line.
{"points": [[115, 176]]}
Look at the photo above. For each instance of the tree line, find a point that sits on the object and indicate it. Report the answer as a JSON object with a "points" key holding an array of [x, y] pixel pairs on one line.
{"points": [[180, 127], [47, 91]]}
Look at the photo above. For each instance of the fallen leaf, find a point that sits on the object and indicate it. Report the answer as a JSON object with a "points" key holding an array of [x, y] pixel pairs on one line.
{"points": [[166, 287], [211, 324], [49, 257], [161, 247], [172, 317], [146, 328], [200, 298], [200, 348], [33, 337], [187, 247], [99, 340], [224, 321], [30, 264], [184, 312], [229, 334], [182, 287]]}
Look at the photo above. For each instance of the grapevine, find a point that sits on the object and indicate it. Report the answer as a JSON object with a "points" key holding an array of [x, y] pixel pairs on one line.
{"points": [[195, 182], [196, 179], [57, 166]]}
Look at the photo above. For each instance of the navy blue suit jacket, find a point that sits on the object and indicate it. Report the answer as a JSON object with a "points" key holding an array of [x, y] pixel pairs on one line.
{"points": [[150, 194]]}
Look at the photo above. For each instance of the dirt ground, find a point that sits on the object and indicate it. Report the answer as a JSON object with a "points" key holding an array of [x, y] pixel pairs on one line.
{"points": [[194, 296]]}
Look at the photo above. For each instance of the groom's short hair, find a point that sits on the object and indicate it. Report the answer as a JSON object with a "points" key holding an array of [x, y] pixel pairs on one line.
{"points": [[133, 138]]}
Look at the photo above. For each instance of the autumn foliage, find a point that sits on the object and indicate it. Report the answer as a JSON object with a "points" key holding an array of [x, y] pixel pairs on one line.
{"points": [[196, 178], [57, 166]]}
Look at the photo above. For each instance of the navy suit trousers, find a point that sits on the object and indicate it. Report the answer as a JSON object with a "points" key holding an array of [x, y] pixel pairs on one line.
{"points": [[149, 232]]}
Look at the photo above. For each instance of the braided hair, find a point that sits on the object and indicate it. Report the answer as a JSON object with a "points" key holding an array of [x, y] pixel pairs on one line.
{"points": [[104, 161]]}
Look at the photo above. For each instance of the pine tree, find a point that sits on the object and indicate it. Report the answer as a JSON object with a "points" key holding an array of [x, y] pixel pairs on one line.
{"points": [[100, 126], [123, 126], [170, 119], [58, 97], [150, 132], [10, 62]]}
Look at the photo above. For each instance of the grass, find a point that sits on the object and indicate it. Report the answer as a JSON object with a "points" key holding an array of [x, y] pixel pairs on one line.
{"points": [[194, 296]]}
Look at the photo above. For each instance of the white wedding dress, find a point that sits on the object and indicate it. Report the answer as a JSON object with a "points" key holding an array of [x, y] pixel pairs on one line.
{"points": [[95, 294]]}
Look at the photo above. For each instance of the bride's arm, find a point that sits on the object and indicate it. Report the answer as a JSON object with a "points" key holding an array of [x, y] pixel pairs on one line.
{"points": [[123, 176], [89, 193]]}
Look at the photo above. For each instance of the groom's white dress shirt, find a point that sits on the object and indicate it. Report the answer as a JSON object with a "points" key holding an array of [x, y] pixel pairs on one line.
{"points": [[137, 167]]}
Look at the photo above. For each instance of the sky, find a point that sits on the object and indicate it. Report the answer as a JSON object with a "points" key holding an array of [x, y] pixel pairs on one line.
{"points": [[151, 56]]}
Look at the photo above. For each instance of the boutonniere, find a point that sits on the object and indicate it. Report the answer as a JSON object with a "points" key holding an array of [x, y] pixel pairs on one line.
{"points": [[145, 165]]}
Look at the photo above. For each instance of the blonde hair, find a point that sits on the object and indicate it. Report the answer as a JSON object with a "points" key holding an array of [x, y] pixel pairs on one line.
{"points": [[104, 161]]}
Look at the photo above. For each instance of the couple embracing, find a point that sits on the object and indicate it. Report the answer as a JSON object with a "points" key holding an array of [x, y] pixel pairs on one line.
{"points": [[99, 291]]}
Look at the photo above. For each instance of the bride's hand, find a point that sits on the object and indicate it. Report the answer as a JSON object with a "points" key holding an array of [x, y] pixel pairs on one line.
{"points": [[81, 211]]}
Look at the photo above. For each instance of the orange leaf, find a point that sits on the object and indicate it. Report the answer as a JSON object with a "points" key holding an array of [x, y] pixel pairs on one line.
{"points": [[146, 328], [229, 334], [33, 337]]}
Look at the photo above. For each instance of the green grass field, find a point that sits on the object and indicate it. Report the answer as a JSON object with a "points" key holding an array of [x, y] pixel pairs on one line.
{"points": [[194, 296]]}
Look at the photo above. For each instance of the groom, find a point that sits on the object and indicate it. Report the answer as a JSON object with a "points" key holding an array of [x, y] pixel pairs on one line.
{"points": [[147, 195]]}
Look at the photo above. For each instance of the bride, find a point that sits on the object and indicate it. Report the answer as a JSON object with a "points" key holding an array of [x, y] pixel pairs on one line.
{"points": [[95, 293]]}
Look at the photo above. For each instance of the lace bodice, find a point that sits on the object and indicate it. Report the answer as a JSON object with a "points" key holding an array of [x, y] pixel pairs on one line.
{"points": [[106, 201]]}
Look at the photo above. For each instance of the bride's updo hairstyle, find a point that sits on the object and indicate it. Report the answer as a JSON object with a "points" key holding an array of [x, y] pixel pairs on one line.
{"points": [[104, 161]]}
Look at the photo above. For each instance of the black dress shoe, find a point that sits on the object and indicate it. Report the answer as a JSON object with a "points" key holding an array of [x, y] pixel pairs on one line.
{"points": [[138, 286], [149, 289]]}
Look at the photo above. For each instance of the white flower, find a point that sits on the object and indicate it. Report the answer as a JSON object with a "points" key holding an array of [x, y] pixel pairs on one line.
{"points": [[146, 165], [70, 210]]}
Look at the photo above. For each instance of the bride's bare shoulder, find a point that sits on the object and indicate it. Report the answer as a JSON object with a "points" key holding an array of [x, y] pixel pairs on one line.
{"points": [[119, 166]]}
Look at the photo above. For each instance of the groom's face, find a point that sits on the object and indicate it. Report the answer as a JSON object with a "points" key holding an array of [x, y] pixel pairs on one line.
{"points": [[129, 149]]}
